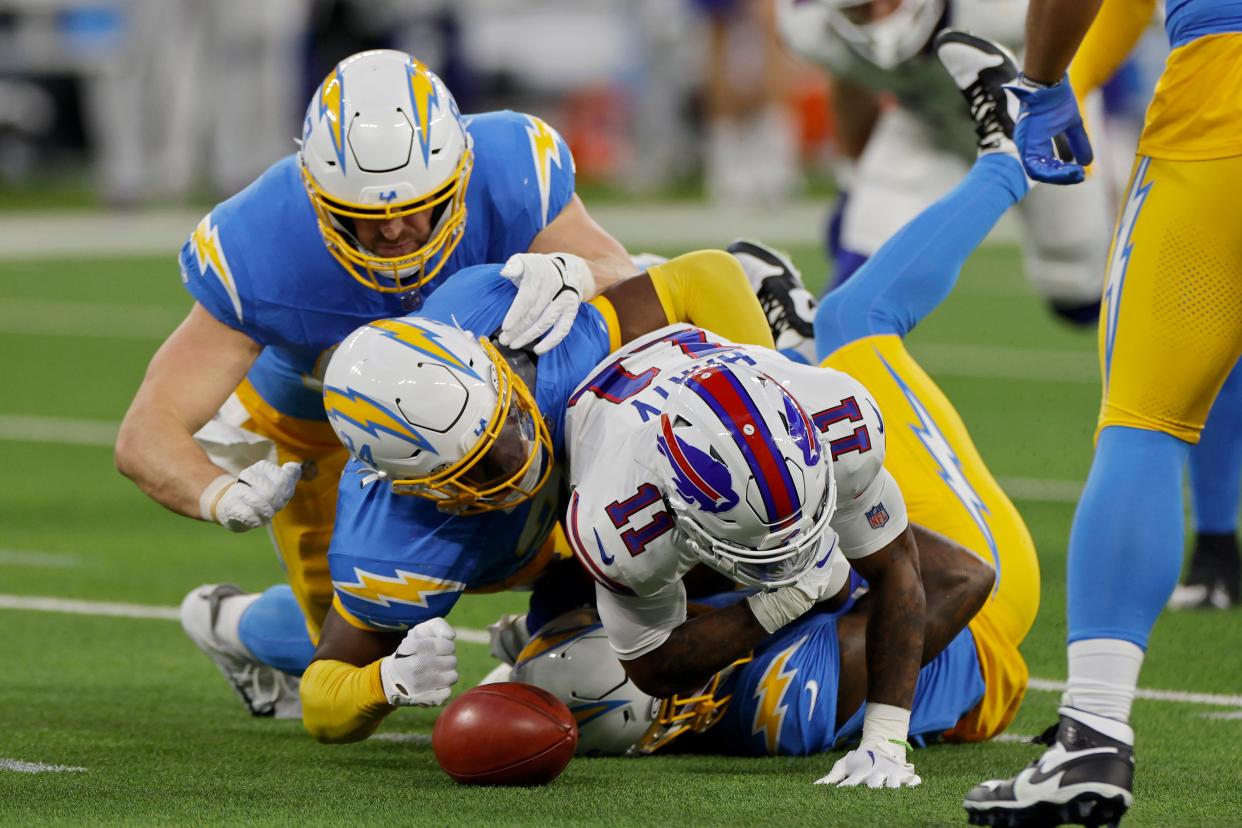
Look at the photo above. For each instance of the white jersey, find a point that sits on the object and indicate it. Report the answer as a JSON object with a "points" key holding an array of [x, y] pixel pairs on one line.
{"points": [[617, 522], [920, 84]]}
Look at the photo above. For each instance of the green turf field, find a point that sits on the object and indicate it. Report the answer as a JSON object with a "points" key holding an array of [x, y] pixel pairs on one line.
{"points": [[163, 740]]}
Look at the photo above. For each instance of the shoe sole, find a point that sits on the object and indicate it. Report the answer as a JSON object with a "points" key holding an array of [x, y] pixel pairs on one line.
{"points": [[1089, 809], [197, 601]]}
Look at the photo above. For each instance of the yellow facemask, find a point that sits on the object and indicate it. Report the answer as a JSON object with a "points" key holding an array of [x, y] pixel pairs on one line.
{"points": [[395, 275]]}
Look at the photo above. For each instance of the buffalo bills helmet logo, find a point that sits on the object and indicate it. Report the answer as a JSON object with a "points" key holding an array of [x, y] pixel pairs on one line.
{"points": [[700, 478]]}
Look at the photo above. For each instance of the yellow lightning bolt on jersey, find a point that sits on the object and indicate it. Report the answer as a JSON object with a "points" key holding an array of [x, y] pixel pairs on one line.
{"points": [[546, 151], [209, 256], [424, 341], [369, 415], [423, 97], [770, 712], [402, 588]]}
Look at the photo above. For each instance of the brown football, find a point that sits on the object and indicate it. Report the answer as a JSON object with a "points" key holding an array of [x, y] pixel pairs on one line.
{"points": [[505, 734]]}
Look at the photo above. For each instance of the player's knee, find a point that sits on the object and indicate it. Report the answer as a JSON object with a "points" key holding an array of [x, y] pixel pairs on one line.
{"points": [[843, 317]]}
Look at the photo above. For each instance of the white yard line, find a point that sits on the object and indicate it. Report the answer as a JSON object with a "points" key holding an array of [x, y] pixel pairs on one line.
{"points": [[21, 428], [1007, 363], [18, 766], [49, 560], [1042, 490], [1178, 696], [408, 738], [78, 319], [684, 225], [470, 636]]}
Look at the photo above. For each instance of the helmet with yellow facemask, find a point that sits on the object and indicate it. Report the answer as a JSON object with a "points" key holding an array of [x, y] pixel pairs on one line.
{"points": [[438, 413], [382, 140]]}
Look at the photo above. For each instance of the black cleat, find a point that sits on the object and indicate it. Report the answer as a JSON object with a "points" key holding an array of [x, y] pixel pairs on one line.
{"points": [[981, 68], [1085, 778], [1215, 573], [788, 305]]}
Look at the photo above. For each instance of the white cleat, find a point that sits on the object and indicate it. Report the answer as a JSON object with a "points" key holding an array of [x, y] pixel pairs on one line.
{"points": [[981, 69], [788, 305], [264, 690]]}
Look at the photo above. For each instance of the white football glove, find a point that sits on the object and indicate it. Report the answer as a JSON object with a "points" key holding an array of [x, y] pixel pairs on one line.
{"points": [[423, 670], [876, 763], [507, 637], [250, 500], [820, 582], [551, 287]]}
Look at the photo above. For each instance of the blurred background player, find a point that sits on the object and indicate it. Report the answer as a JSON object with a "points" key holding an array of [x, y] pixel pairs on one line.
{"points": [[904, 143], [1169, 336], [391, 192]]}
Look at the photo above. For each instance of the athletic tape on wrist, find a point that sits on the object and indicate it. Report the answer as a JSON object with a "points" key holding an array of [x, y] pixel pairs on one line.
{"points": [[211, 496], [886, 722]]}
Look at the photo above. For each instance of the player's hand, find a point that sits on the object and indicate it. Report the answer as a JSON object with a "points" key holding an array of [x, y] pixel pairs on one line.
{"points": [[875, 763], [551, 287], [259, 492], [779, 607], [423, 670], [1048, 120], [507, 637]]}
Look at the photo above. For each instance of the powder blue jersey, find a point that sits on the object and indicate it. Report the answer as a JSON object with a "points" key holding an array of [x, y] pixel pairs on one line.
{"points": [[395, 560], [785, 699], [258, 264]]}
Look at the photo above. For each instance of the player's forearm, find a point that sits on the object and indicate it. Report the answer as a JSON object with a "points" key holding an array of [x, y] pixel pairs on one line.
{"points": [[895, 629], [698, 649], [341, 702], [857, 109], [158, 453], [1054, 29], [1109, 41]]}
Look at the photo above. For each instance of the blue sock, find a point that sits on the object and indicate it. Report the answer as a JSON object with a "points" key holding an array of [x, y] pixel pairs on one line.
{"points": [[1125, 545], [1216, 462], [273, 629], [913, 272]]}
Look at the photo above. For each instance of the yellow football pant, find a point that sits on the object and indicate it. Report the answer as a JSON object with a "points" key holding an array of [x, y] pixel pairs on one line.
{"points": [[1171, 325], [948, 489]]}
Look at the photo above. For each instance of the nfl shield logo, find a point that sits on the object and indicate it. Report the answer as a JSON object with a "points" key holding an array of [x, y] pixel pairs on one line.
{"points": [[877, 517]]}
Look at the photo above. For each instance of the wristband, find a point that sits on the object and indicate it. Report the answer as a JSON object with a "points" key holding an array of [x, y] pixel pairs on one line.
{"points": [[211, 496], [1027, 83], [886, 723]]}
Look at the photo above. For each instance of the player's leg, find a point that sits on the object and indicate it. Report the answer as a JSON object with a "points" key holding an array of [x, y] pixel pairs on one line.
{"points": [[253, 636], [1170, 332], [1215, 489]]}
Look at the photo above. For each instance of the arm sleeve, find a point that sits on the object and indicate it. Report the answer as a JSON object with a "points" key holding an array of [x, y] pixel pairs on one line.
{"points": [[637, 625], [341, 702], [1108, 43], [709, 289], [870, 521]]}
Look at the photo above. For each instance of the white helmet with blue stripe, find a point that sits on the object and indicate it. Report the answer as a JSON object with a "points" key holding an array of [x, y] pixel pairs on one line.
{"points": [[745, 476]]}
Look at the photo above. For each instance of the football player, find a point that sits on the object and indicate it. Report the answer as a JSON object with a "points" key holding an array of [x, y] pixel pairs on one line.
{"points": [[391, 191], [799, 693], [901, 158], [1168, 338]]}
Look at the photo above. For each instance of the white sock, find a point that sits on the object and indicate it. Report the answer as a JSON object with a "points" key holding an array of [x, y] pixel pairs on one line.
{"points": [[1103, 675], [228, 621]]}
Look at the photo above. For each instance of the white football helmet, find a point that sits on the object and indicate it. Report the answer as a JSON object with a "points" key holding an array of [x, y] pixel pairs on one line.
{"points": [[383, 139], [439, 413], [571, 658], [744, 474], [885, 39]]}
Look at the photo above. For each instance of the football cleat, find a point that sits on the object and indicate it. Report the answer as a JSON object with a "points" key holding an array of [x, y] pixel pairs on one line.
{"points": [[1086, 778], [264, 690], [981, 69], [1213, 580], [788, 305]]}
